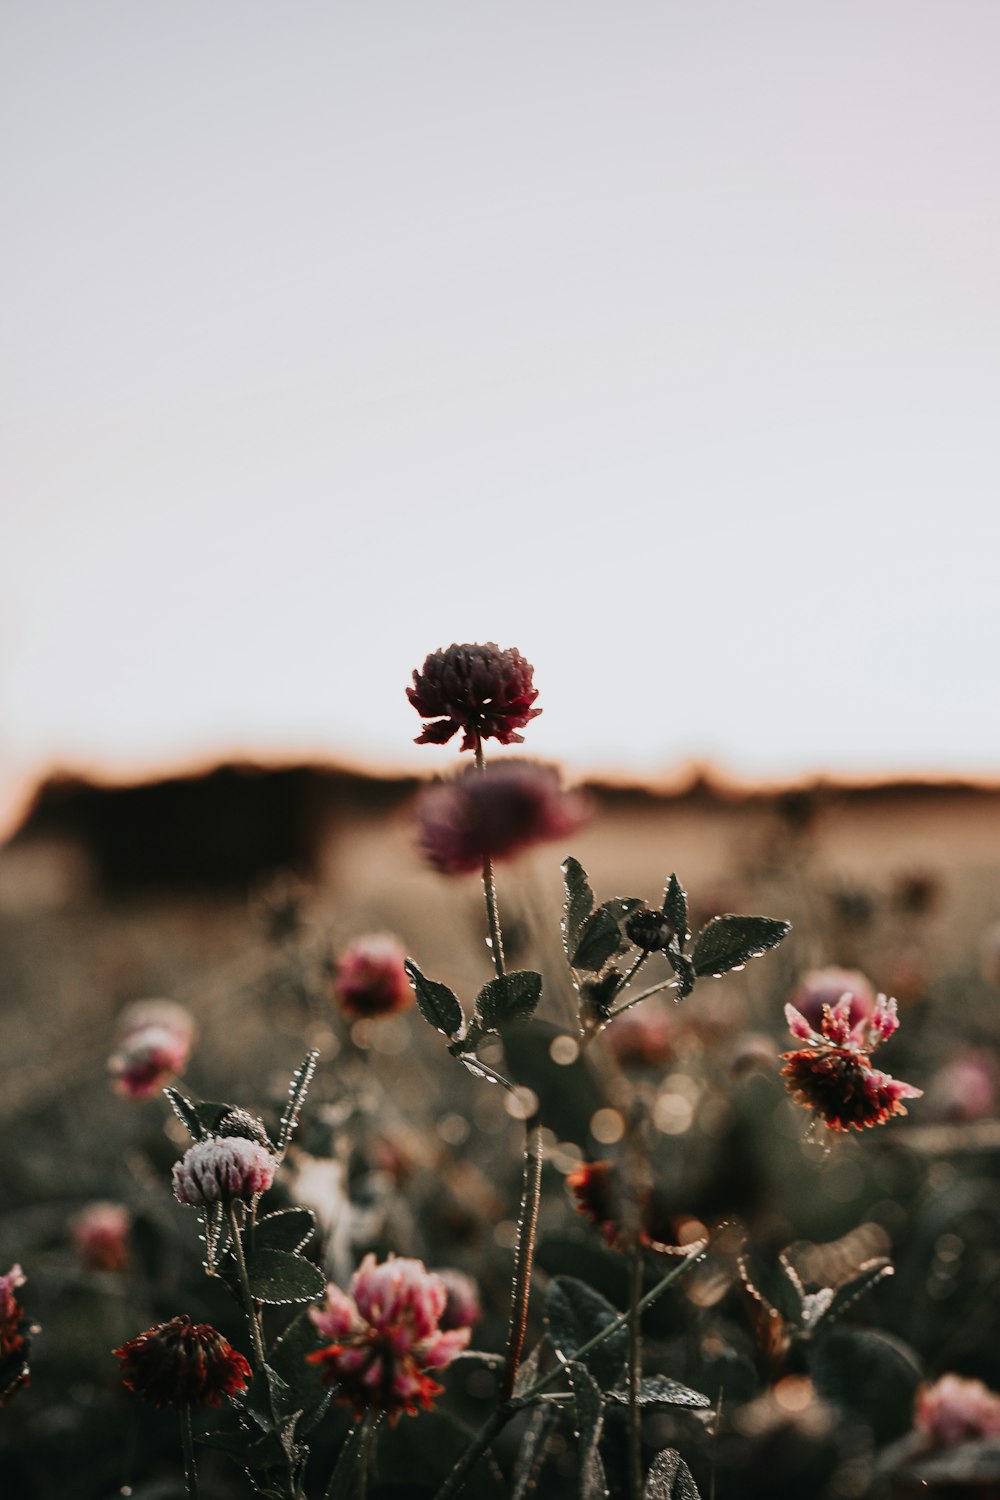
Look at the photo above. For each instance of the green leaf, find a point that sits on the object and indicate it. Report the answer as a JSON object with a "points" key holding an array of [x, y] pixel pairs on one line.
{"points": [[287, 1229], [211, 1114], [345, 1481], [297, 1090], [531, 1453], [599, 939], [589, 1423], [576, 1313], [684, 969], [660, 1390], [509, 999], [578, 905], [727, 942], [869, 1275], [437, 1003], [186, 1113], [772, 1282], [669, 1478], [675, 909], [869, 1375], [620, 907], [276, 1276]]}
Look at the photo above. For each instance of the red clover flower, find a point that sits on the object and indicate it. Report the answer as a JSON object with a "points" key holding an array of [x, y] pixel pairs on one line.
{"points": [[954, 1410], [512, 806], [221, 1170], [833, 1075], [370, 979], [100, 1236], [485, 692], [155, 1040], [181, 1363], [385, 1335]]}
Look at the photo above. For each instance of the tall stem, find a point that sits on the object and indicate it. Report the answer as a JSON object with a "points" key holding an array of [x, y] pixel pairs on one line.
{"points": [[490, 889], [527, 1224], [187, 1444], [249, 1306], [635, 1374]]}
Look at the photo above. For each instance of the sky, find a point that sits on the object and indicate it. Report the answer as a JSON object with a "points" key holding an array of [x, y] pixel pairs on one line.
{"points": [[660, 340]]}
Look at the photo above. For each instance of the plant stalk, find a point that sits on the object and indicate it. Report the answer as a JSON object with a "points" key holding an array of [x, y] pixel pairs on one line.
{"points": [[635, 1373], [187, 1445], [490, 889], [527, 1224]]}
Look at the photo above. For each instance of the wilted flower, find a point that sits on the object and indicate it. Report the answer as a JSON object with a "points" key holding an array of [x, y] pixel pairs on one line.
{"points": [[833, 1075], [495, 815], [462, 1308], [385, 1335], [828, 986], [155, 1040], [100, 1236], [955, 1410], [181, 1363], [222, 1169], [370, 979], [481, 690]]}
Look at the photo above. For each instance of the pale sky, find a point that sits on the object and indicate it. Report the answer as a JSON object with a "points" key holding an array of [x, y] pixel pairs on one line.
{"points": [[660, 340]]}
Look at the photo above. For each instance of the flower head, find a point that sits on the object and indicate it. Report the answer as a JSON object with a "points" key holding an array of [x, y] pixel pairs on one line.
{"points": [[370, 979], [385, 1335], [100, 1236], [462, 1307], [181, 1363], [621, 1208], [13, 1340], [221, 1169], [954, 1410], [642, 1036], [486, 692], [496, 815], [833, 1075], [822, 987], [155, 1041]]}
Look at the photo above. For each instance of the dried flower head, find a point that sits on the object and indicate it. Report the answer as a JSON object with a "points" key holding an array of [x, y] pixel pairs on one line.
{"points": [[385, 1335], [486, 692], [155, 1041], [496, 815], [833, 1075], [100, 1236], [221, 1169], [181, 1363], [822, 987], [954, 1410], [370, 979]]}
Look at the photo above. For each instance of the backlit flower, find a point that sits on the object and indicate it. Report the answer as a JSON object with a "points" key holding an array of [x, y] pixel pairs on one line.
{"points": [[486, 692], [221, 1170], [833, 1075], [181, 1363], [385, 1336], [955, 1410], [497, 814], [100, 1236], [370, 979]]}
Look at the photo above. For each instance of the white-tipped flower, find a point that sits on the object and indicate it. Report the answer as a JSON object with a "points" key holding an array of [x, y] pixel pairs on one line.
{"points": [[222, 1169]]}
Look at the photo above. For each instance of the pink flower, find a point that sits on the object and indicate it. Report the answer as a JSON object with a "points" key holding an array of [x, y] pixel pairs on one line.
{"points": [[100, 1236], [370, 979], [181, 1363], [155, 1041], [462, 1308], [14, 1373], [954, 1410], [642, 1036], [497, 814], [828, 986], [833, 1075], [221, 1169], [481, 690], [386, 1335]]}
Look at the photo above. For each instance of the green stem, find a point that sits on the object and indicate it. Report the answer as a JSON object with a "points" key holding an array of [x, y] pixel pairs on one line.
{"points": [[490, 889], [635, 1374], [654, 989], [187, 1445], [249, 1306], [527, 1224]]}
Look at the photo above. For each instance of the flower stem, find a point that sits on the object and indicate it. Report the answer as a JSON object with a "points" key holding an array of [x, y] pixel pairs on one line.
{"points": [[249, 1306], [187, 1445], [527, 1224], [490, 889], [481, 1443], [635, 1374]]}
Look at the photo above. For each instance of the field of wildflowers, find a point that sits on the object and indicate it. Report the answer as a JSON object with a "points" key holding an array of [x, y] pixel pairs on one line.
{"points": [[637, 1216]]}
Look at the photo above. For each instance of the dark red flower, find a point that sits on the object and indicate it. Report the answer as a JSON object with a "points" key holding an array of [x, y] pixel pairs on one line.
{"points": [[481, 690], [14, 1374], [495, 814], [370, 979], [833, 1075], [181, 1363]]}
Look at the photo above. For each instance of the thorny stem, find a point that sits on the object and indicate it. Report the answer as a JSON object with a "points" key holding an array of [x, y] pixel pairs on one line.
{"points": [[187, 1444], [635, 1374], [527, 1224], [483, 1440]]}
